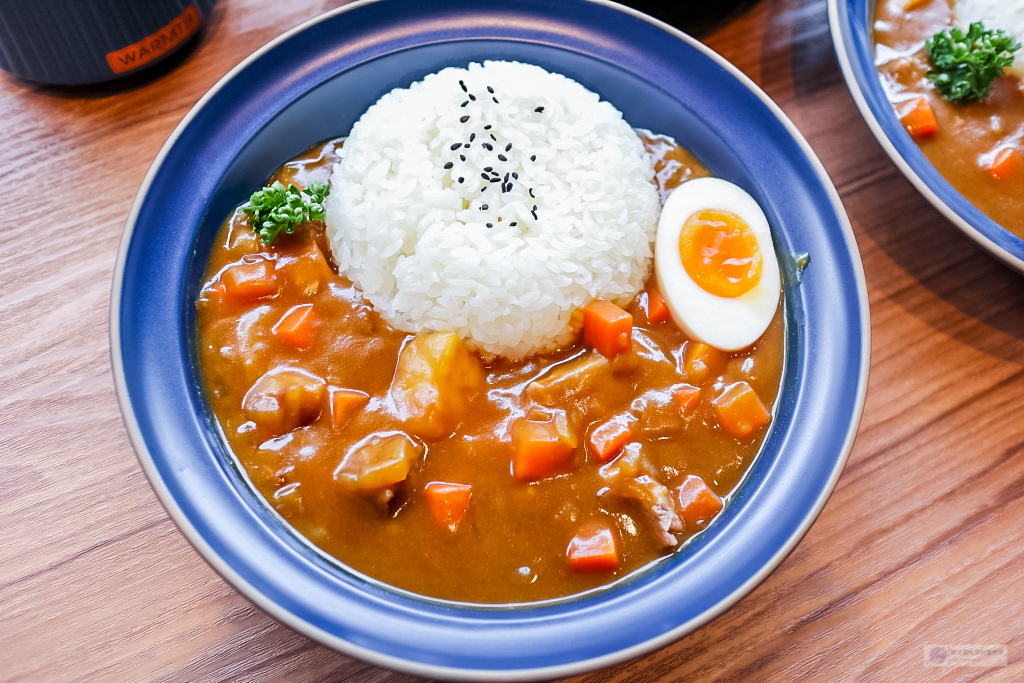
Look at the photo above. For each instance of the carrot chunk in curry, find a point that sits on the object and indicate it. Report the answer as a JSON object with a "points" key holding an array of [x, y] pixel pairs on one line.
{"points": [[448, 503], [698, 504], [345, 403], [251, 280], [607, 327], [740, 412], [542, 447], [593, 550], [298, 326]]}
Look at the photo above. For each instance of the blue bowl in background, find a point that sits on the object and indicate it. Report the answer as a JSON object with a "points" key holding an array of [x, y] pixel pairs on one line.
{"points": [[312, 84], [851, 22], [78, 42]]}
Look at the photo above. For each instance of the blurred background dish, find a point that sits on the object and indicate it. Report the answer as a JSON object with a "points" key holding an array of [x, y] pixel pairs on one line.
{"points": [[877, 96]]}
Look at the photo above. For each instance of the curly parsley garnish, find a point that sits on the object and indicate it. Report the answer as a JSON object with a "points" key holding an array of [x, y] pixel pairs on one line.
{"points": [[276, 208], [965, 66]]}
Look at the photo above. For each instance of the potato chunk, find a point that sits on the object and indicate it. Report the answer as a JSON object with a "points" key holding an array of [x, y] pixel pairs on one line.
{"points": [[435, 382], [284, 399], [378, 462]]}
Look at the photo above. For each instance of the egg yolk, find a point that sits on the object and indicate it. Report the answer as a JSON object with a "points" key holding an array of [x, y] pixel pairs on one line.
{"points": [[719, 252]]}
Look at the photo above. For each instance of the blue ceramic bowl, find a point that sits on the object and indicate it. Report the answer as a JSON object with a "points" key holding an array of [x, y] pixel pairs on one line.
{"points": [[851, 22], [313, 83]]}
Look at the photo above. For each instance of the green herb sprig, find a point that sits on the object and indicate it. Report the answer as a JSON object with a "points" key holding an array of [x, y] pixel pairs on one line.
{"points": [[965, 66], [276, 208]]}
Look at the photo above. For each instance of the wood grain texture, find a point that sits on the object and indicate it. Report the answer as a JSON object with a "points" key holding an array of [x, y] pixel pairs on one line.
{"points": [[920, 544]]}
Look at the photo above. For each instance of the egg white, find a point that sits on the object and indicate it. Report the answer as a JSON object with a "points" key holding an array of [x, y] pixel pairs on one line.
{"points": [[727, 323]]}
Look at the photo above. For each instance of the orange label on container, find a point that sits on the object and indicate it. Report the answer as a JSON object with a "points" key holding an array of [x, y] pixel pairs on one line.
{"points": [[157, 44]]}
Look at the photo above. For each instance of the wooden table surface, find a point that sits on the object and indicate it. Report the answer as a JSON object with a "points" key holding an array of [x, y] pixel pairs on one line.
{"points": [[921, 544]]}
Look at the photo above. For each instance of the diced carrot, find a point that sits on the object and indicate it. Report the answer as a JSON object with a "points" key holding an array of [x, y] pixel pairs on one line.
{"points": [[448, 503], [593, 550], [541, 449], [918, 118], [698, 504], [701, 361], [739, 410], [345, 403], [247, 281], [297, 326], [608, 438], [1006, 164], [657, 309], [607, 328], [914, 4], [214, 291], [687, 397]]}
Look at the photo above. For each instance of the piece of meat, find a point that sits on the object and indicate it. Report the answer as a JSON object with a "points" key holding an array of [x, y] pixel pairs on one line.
{"points": [[631, 476]]}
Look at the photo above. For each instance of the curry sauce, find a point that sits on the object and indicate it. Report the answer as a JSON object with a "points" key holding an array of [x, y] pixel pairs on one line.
{"points": [[517, 533]]}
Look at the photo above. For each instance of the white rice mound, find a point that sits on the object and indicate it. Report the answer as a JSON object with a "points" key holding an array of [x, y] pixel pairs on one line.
{"points": [[1007, 15], [416, 241]]}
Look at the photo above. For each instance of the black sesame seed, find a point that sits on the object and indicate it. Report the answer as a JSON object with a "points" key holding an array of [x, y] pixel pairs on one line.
{"points": [[515, 175], [539, 110], [462, 180], [495, 180], [494, 173], [508, 146], [462, 157], [483, 207], [502, 157], [484, 176], [490, 90], [487, 127], [473, 97], [466, 145], [510, 187], [534, 207], [463, 119], [488, 168], [512, 224], [495, 100], [464, 104], [490, 225], [472, 136], [449, 165], [533, 158], [506, 177], [494, 138], [534, 215], [455, 146], [488, 146], [531, 193], [463, 86]]}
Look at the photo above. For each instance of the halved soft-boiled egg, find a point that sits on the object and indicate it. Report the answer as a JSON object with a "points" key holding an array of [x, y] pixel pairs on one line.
{"points": [[716, 265]]}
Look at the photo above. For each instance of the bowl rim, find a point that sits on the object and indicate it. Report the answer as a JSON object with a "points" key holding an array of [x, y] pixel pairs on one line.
{"points": [[449, 672], [863, 81]]}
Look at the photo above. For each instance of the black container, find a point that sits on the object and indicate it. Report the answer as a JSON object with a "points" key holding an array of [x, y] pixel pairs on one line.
{"points": [[75, 42], [693, 17]]}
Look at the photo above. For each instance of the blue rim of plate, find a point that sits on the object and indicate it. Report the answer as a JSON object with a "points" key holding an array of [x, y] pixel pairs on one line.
{"points": [[850, 22], [739, 131]]}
